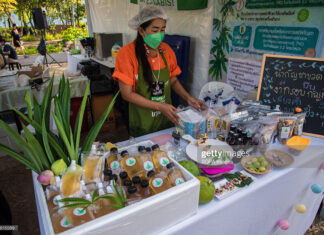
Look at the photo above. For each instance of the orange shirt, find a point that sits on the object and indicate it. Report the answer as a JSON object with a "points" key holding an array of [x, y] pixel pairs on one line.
{"points": [[126, 67]]}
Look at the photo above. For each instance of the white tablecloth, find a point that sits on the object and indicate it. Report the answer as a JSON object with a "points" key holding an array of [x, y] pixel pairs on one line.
{"points": [[256, 209], [16, 96]]}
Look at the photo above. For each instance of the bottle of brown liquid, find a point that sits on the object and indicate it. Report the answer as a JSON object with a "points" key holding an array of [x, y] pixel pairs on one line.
{"points": [[145, 189], [133, 195], [175, 175]]}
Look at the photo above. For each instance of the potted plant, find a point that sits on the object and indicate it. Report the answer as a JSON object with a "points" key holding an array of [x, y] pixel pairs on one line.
{"points": [[42, 149]]}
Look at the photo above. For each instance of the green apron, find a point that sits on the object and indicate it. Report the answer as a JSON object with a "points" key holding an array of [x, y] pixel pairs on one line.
{"points": [[143, 121]]}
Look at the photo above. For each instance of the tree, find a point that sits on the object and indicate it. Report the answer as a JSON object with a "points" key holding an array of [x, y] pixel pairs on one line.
{"points": [[6, 7]]}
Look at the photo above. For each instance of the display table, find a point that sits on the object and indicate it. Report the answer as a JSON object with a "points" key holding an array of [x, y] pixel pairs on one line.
{"points": [[16, 96], [257, 208]]}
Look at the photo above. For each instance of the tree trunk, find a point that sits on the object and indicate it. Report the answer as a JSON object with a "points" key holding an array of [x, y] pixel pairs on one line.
{"points": [[9, 17], [77, 13]]}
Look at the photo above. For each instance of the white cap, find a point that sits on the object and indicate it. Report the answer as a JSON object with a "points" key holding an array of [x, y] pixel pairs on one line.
{"points": [[88, 197], [73, 165], [57, 179], [99, 185], [146, 14], [101, 192], [110, 190], [93, 148]]}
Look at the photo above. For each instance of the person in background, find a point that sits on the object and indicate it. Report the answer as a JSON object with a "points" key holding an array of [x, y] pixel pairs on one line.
{"points": [[146, 70], [9, 50], [16, 40]]}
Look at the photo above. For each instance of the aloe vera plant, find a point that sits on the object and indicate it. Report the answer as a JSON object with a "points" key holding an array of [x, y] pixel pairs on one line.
{"points": [[41, 149]]}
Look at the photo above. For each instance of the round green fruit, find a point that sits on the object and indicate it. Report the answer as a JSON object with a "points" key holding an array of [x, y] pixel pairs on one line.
{"points": [[190, 166], [58, 167], [256, 164], [264, 164], [207, 190], [261, 159], [262, 169]]}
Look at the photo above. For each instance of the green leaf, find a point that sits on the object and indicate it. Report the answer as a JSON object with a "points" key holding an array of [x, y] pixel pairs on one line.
{"points": [[23, 145], [66, 103], [19, 157], [94, 194], [79, 119], [29, 105], [64, 137], [90, 138], [116, 207], [53, 142], [46, 103], [45, 142], [74, 199], [75, 205], [37, 148]]}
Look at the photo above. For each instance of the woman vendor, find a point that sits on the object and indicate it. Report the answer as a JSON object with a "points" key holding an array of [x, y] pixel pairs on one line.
{"points": [[146, 70]]}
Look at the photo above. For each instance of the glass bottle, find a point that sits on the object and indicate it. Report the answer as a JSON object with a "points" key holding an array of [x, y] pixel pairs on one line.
{"points": [[112, 161], [133, 195], [175, 175], [146, 158], [92, 165], [132, 165], [145, 189], [107, 173], [137, 182], [78, 215], [123, 176], [160, 159], [159, 183], [52, 194], [59, 221], [102, 206]]}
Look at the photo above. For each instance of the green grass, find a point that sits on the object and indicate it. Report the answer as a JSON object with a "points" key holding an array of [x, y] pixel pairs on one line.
{"points": [[52, 48]]}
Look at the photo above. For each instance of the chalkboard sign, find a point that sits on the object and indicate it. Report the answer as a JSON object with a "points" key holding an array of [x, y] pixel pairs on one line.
{"points": [[295, 82]]}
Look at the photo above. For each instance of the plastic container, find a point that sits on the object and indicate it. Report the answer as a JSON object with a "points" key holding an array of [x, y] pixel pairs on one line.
{"points": [[191, 122], [297, 144], [114, 50], [129, 220]]}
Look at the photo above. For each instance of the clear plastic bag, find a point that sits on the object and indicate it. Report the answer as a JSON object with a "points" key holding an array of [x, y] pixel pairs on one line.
{"points": [[285, 128]]}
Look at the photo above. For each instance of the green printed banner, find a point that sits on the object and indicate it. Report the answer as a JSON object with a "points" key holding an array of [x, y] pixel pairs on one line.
{"points": [[174, 4], [293, 40], [261, 4]]}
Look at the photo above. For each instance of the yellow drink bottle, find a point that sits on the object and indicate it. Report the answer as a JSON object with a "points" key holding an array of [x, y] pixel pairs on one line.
{"points": [[160, 159], [92, 165], [145, 189], [71, 181], [77, 215], [102, 206], [59, 221], [146, 158], [133, 195], [112, 162], [132, 165], [159, 183], [175, 175]]}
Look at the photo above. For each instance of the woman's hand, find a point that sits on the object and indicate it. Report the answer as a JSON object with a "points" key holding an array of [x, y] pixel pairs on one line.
{"points": [[196, 103], [169, 111]]}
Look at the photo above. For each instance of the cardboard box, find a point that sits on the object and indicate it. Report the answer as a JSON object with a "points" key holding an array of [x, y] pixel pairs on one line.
{"points": [[99, 104], [148, 216], [36, 72]]}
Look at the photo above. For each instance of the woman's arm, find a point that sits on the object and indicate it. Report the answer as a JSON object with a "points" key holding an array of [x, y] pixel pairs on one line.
{"points": [[132, 97], [178, 88]]}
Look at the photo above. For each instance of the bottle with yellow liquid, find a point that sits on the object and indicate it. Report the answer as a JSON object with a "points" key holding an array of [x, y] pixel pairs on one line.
{"points": [[132, 165], [102, 206], [59, 221], [175, 175], [112, 162], [133, 195], [146, 158], [78, 215], [93, 166], [160, 159], [145, 189], [71, 181], [52, 194], [159, 183]]}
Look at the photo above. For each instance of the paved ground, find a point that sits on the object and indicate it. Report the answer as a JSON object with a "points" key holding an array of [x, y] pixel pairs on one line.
{"points": [[59, 57]]}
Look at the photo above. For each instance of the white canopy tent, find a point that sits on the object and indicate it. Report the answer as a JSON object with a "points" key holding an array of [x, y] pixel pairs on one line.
{"points": [[111, 16]]}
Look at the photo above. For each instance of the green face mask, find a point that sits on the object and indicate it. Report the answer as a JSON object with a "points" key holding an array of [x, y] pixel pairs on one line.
{"points": [[154, 40]]}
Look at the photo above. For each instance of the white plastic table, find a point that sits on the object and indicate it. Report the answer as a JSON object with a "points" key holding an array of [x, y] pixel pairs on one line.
{"points": [[255, 210]]}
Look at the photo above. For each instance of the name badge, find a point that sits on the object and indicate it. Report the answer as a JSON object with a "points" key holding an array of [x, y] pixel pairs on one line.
{"points": [[157, 92]]}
